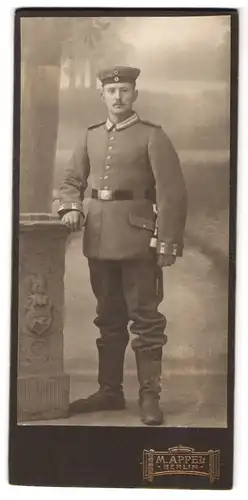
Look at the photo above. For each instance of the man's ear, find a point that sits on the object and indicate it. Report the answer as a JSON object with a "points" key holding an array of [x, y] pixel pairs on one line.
{"points": [[102, 94], [136, 93]]}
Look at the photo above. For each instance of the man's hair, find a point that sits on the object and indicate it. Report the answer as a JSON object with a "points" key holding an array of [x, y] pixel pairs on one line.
{"points": [[132, 83]]}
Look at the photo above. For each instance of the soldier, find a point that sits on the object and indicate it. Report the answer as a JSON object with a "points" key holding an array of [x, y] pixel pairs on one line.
{"points": [[132, 165]]}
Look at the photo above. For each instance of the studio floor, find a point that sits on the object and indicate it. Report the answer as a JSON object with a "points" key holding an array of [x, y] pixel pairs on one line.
{"points": [[187, 401]]}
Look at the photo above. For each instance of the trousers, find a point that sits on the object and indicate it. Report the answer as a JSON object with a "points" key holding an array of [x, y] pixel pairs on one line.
{"points": [[128, 291]]}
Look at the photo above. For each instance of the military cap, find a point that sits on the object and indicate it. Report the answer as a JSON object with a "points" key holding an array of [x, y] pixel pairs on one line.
{"points": [[118, 74]]}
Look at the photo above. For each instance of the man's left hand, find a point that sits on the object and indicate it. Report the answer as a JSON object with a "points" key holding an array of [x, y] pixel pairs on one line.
{"points": [[166, 260]]}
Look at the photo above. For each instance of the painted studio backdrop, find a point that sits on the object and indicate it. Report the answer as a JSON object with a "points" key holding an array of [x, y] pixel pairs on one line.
{"points": [[184, 86]]}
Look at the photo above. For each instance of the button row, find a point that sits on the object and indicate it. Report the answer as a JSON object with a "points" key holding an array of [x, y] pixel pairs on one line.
{"points": [[107, 167]]}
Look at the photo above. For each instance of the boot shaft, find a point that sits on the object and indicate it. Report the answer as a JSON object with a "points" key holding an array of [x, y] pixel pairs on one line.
{"points": [[111, 365], [149, 370]]}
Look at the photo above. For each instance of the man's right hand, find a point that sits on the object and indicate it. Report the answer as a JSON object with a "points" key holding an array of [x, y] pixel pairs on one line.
{"points": [[74, 220]]}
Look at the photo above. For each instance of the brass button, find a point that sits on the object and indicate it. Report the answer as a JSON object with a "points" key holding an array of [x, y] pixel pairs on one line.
{"points": [[108, 157], [105, 177], [107, 167], [110, 147], [111, 138]]}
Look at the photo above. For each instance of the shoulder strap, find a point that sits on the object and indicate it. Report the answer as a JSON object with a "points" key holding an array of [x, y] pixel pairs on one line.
{"points": [[91, 127], [146, 122]]}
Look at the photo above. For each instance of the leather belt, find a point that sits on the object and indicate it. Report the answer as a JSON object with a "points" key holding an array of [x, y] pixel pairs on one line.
{"points": [[119, 195]]}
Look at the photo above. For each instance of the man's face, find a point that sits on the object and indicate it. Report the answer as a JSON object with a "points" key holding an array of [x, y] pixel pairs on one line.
{"points": [[119, 97]]}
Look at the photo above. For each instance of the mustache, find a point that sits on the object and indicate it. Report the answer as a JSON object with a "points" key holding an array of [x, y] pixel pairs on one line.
{"points": [[118, 103]]}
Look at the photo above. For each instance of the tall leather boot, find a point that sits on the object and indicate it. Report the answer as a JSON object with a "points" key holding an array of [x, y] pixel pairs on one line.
{"points": [[149, 368], [110, 378]]}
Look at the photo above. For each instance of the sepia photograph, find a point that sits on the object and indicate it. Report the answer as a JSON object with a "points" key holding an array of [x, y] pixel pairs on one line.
{"points": [[124, 208]]}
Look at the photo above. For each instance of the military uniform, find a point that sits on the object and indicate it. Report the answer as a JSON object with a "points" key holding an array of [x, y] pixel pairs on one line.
{"points": [[131, 166], [135, 157]]}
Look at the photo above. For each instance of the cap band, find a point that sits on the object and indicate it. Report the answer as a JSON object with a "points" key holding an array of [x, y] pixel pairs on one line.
{"points": [[117, 79]]}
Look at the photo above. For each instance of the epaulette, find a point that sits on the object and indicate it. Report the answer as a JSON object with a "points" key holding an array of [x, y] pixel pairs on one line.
{"points": [[151, 123], [96, 125]]}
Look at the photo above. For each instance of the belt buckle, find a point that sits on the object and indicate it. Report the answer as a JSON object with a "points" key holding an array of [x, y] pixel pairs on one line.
{"points": [[105, 194]]}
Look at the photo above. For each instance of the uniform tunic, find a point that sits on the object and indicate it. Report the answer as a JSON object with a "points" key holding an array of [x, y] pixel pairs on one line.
{"points": [[136, 156]]}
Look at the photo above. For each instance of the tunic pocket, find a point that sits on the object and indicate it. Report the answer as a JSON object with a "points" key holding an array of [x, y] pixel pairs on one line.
{"points": [[141, 222]]}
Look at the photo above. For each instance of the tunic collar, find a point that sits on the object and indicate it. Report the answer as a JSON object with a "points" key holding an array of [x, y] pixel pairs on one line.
{"points": [[125, 123]]}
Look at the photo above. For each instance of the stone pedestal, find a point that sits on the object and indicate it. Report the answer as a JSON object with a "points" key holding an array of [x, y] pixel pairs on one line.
{"points": [[43, 387]]}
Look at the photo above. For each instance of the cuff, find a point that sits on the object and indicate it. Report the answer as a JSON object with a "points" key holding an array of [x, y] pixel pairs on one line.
{"points": [[66, 207], [169, 249]]}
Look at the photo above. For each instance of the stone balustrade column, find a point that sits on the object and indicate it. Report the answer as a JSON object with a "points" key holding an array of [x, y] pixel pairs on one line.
{"points": [[43, 387]]}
